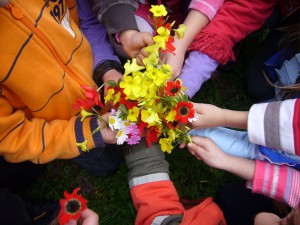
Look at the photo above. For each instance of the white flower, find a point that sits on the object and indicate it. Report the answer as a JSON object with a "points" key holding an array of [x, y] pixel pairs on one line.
{"points": [[114, 122], [122, 135]]}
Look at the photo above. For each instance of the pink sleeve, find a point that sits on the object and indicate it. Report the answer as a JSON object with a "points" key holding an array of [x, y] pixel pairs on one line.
{"points": [[277, 181], [207, 7]]}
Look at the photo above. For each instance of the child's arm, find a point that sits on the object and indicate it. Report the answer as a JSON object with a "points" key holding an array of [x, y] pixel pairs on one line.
{"points": [[213, 116], [276, 125], [205, 149], [279, 182], [201, 12], [194, 22]]}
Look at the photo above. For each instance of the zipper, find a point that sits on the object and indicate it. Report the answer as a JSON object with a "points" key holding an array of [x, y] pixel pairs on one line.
{"points": [[18, 14]]}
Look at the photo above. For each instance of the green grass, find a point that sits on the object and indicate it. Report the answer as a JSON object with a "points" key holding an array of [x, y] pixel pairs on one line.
{"points": [[110, 197]]}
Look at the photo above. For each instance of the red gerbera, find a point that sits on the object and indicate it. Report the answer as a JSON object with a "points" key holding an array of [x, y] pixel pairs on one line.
{"points": [[71, 206], [184, 111], [173, 87]]}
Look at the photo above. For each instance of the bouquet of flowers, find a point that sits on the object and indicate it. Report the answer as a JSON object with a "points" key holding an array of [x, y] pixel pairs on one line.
{"points": [[148, 103]]}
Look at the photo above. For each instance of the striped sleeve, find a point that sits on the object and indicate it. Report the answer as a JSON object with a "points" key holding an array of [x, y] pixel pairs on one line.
{"points": [[278, 182], [207, 7], [276, 125]]}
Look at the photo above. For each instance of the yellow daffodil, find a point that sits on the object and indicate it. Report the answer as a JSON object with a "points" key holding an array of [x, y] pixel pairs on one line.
{"points": [[166, 145], [133, 114], [180, 31], [83, 146], [158, 10], [85, 114]]}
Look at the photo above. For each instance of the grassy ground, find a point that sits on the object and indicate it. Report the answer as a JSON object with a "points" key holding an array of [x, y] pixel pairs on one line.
{"points": [[110, 198]]}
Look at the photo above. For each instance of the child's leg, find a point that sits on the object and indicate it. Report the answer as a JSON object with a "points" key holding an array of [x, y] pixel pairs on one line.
{"points": [[230, 141]]}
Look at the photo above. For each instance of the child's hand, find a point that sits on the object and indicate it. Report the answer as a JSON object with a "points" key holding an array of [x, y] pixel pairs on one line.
{"points": [[175, 61], [88, 217], [208, 116], [205, 149], [133, 41]]}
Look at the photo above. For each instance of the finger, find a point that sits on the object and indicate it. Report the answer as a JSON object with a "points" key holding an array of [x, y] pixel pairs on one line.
{"points": [[89, 217], [147, 38], [139, 61], [182, 145], [203, 142], [143, 53]]}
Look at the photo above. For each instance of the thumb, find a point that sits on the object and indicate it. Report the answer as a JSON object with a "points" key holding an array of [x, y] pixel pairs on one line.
{"points": [[202, 142]]}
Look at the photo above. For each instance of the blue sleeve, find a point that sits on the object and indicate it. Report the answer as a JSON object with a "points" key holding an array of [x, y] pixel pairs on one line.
{"points": [[95, 33]]}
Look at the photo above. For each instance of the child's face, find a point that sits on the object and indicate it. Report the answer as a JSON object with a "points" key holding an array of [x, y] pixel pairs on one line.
{"points": [[266, 219], [3, 2]]}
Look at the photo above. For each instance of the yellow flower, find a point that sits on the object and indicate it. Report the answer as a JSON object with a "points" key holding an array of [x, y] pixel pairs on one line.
{"points": [[109, 95], [83, 146], [132, 67], [117, 97], [166, 68], [149, 116], [171, 116], [131, 84], [180, 31], [158, 10], [133, 114], [166, 145], [85, 114]]}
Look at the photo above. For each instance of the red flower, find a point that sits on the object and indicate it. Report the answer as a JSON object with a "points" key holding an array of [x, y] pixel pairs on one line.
{"points": [[151, 135], [184, 111], [169, 46], [71, 206], [173, 87], [92, 93], [92, 99]]}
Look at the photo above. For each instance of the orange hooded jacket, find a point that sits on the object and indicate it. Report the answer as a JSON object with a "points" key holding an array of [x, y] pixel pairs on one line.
{"points": [[44, 59]]}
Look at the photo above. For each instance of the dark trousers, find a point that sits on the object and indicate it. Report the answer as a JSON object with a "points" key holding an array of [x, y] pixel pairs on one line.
{"points": [[240, 206]]}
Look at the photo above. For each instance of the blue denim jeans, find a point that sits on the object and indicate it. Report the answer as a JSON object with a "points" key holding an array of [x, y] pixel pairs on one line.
{"points": [[101, 161]]}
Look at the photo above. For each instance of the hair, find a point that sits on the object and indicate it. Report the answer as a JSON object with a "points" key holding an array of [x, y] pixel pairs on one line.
{"points": [[293, 218]]}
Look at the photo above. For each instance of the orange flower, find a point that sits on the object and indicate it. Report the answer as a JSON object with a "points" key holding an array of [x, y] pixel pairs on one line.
{"points": [[184, 111], [71, 206]]}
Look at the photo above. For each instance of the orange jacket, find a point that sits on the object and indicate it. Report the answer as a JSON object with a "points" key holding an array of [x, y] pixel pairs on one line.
{"points": [[44, 59], [160, 198]]}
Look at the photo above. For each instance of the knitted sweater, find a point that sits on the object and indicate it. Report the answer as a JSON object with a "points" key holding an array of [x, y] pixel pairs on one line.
{"points": [[44, 60], [276, 125]]}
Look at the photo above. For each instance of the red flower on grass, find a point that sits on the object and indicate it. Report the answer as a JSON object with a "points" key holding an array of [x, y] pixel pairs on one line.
{"points": [[71, 206], [173, 87], [184, 111]]}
